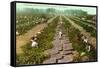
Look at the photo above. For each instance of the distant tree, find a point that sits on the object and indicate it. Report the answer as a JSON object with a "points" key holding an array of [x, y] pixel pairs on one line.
{"points": [[51, 11], [75, 12]]}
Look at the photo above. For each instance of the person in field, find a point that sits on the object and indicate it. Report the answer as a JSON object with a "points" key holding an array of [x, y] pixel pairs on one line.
{"points": [[85, 40], [34, 43], [88, 47], [60, 34]]}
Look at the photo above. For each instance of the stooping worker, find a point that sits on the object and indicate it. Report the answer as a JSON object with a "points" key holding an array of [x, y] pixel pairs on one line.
{"points": [[34, 43], [88, 47], [85, 40]]}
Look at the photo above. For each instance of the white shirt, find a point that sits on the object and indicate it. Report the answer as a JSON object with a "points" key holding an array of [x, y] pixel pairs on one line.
{"points": [[85, 40], [60, 33], [34, 44]]}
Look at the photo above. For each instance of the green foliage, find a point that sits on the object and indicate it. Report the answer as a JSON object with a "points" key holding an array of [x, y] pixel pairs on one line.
{"points": [[37, 55], [26, 22], [86, 19], [77, 43], [88, 28], [66, 24], [33, 56]]}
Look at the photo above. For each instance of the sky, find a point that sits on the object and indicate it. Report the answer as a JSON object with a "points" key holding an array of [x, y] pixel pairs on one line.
{"points": [[21, 6]]}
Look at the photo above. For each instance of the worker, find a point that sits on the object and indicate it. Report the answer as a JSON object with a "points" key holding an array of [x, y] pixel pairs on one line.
{"points": [[34, 43], [60, 34]]}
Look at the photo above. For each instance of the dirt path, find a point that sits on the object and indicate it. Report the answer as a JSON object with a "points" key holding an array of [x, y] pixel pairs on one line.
{"points": [[91, 40], [25, 38], [62, 51]]}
